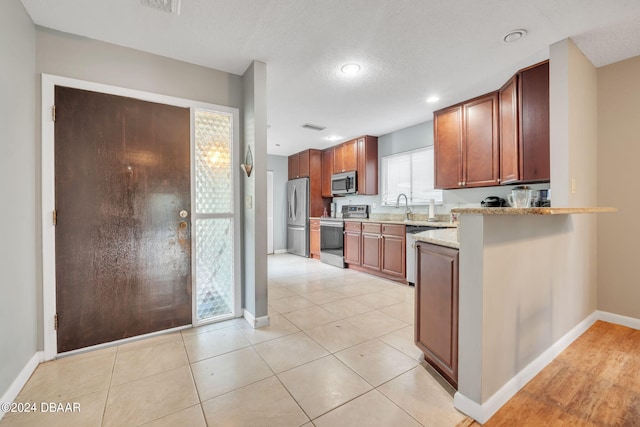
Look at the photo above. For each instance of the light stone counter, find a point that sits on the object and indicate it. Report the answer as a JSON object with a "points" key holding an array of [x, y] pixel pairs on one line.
{"points": [[440, 224], [532, 211], [446, 237]]}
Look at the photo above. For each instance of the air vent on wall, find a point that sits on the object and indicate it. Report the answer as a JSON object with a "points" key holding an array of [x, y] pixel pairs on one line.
{"points": [[169, 6], [313, 127]]}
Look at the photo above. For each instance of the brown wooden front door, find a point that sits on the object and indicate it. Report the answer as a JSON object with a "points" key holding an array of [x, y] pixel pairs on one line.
{"points": [[123, 252]]}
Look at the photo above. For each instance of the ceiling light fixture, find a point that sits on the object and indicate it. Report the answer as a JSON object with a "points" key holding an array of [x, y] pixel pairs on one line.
{"points": [[350, 69], [333, 138], [433, 99], [514, 36]]}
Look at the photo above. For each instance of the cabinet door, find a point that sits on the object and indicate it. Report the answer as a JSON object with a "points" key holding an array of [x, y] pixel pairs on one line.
{"points": [[371, 251], [327, 171], [447, 129], [350, 156], [314, 237], [534, 119], [352, 247], [480, 156], [368, 165], [294, 164], [303, 163], [509, 153], [337, 158], [436, 326], [393, 255]]}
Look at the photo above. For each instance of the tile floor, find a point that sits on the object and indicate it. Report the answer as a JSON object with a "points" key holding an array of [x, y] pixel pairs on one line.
{"points": [[339, 351]]}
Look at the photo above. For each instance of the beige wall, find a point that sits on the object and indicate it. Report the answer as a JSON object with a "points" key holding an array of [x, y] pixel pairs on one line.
{"points": [[18, 249], [618, 170], [81, 58]]}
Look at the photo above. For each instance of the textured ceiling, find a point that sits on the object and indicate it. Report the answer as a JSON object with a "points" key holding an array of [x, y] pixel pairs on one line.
{"points": [[408, 50]]}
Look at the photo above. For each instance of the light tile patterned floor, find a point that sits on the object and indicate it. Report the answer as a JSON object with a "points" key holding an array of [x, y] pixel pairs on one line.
{"points": [[339, 351]]}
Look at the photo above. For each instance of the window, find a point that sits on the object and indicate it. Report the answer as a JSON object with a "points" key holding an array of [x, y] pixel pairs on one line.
{"points": [[410, 173]]}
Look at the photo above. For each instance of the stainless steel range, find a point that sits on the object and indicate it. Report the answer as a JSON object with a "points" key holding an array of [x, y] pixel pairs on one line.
{"points": [[332, 234]]}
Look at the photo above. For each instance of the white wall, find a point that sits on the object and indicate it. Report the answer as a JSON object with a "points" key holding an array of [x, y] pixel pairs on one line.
{"points": [[254, 84], [19, 254], [618, 154], [280, 167]]}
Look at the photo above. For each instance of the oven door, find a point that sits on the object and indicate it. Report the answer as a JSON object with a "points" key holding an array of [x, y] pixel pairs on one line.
{"points": [[332, 243]]}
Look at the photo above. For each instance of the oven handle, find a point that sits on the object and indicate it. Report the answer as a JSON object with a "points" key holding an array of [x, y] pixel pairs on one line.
{"points": [[331, 224]]}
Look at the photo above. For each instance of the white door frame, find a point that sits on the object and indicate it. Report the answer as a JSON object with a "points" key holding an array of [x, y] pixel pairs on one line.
{"points": [[49, 82], [269, 212]]}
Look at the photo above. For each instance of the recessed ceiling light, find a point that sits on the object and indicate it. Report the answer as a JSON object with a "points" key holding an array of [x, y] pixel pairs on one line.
{"points": [[333, 138], [350, 69], [432, 99], [514, 36]]}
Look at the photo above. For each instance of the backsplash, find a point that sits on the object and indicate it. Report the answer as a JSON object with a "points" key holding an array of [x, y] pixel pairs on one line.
{"points": [[462, 198]]}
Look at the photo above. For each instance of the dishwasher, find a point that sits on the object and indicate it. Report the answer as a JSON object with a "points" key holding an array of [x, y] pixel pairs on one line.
{"points": [[411, 250]]}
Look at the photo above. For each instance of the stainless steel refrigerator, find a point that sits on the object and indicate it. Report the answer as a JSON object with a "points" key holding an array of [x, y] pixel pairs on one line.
{"points": [[298, 216]]}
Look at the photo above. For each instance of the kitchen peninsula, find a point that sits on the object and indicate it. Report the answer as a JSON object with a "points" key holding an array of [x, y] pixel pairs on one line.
{"points": [[517, 304]]}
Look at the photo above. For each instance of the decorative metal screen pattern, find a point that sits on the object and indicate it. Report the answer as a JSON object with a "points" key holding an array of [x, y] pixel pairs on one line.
{"points": [[214, 183], [214, 224]]}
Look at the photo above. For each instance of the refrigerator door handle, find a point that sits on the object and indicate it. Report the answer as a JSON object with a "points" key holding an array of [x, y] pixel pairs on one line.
{"points": [[295, 203]]}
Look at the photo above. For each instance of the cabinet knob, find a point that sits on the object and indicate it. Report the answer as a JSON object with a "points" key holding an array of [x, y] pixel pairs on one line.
{"points": [[459, 183]]}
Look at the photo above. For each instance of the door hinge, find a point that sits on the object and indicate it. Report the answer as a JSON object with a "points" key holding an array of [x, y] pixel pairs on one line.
{"points": [[55, 217], [55, 322], [53, 113]]}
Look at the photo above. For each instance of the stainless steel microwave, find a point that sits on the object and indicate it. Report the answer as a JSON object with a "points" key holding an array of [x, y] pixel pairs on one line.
{"points": [[344, 183]]}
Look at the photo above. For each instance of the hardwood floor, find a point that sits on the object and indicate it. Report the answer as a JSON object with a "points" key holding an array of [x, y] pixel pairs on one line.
{"points": [[594, 382]]}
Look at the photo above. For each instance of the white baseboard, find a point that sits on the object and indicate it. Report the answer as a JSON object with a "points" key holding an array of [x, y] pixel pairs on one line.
{"points": [[22, 378], [256, 322], [618, 319], [280, 251], [482, 413]]}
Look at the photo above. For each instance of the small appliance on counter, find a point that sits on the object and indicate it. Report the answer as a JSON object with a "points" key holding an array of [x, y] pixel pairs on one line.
{"points": [[494, 202], [542, 199]]}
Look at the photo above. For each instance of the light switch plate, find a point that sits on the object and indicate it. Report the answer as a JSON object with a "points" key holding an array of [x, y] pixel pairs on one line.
{"points": [[248, 202]]}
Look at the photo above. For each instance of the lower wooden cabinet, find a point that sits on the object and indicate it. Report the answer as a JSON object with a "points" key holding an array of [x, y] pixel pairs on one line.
{"points": [[371, 244], [352, 243], [436, 323], [314, 238], [376, 248], [393, 251]]}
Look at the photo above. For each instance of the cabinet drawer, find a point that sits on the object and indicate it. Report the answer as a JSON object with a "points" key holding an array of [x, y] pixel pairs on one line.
{"points": [[393, 229], [368, 227], [352, 226]]}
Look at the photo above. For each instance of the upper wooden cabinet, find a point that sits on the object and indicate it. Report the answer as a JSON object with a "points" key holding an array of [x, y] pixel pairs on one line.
{"points": [[327, 171], [345, 157], [524, 126], [294, 166], [360, 155], [466, 145], [299, 164], [367, 172]]}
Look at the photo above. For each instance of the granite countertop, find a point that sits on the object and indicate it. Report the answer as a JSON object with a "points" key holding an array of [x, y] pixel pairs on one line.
{"points": [[446, 237], [532, 211]]}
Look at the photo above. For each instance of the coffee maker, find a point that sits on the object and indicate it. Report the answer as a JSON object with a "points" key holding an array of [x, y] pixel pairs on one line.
{"points": [[542, 198]]}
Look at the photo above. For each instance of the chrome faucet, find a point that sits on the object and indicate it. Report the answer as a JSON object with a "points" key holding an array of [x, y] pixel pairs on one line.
{"points": [[406, 204]]}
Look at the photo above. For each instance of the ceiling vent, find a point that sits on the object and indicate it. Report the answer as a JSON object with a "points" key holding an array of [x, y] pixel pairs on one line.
{"points": [[313, 127], [169, 6]]}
